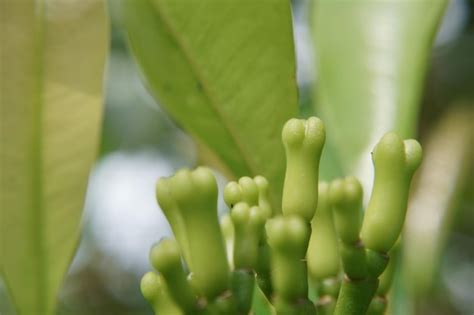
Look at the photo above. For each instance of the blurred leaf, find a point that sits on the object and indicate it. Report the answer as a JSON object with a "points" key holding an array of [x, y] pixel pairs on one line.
{"points": [[371, 61], [329, 164], [443, 177], [225, 71], [53, 54]]}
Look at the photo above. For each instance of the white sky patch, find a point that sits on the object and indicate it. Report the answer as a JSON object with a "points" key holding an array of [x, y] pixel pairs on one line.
{"points": [[123, 215], [303, 44]]}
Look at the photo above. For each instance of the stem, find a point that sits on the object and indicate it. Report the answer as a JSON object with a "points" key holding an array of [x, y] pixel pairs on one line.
{"points": [[288, 238], [355, 296], [376, 262], [242, 284], [297, 307], [354, 261], [378, 305], [263, 269], [358, 286]]}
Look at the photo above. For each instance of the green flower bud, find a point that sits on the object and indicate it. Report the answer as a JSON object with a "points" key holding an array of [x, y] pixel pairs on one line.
{"points": [[395, 161], [155, 292], [195, 195], [243, 284], [173, 215], [251, 191], [151, 285], [303, 141], [232, 194], [288, 238], [245, 190], [288, 234], [323, 252], [227, 230], [166, 258], [346, 199], [263, 196], [248, 228]]}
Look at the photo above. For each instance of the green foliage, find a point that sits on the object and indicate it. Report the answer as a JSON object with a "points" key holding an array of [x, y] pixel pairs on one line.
{"points": [[226, 74], [50, 117], [444, 174], [231, 65], [371, 62]]}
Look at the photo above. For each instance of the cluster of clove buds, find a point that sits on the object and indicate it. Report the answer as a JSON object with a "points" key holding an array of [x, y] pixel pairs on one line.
{"points": [[320, 237]]}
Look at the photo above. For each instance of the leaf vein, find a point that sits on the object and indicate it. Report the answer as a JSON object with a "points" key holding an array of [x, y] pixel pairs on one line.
{"points": [[213, 103]]}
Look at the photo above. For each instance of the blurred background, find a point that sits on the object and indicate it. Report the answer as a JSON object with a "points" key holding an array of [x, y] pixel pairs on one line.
{"points": [[140, 144]]}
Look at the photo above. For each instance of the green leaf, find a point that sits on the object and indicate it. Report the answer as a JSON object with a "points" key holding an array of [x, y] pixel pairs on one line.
{"points": [[225, 71], [434, 203], [371, 60], [52, 54]]}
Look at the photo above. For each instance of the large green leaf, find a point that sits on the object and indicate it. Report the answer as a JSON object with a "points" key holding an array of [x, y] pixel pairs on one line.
{"points": [[52, 61], [371, 60], [225, 71], [443, 177]]}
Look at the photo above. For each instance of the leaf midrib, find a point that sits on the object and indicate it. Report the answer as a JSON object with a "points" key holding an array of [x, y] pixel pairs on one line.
{"points": [[190, 59], [37, 155]]}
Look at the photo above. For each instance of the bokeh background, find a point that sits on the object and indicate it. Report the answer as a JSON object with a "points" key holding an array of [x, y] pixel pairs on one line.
{"points": [[140, 143]]}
